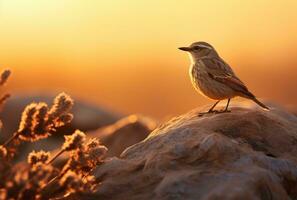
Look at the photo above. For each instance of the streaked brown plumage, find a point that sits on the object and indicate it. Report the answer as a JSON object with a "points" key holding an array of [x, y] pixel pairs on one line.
{"points": [[213, 77]]}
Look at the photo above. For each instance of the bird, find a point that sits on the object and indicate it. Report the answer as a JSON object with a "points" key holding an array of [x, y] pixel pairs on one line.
{"points": [[214, 78]]}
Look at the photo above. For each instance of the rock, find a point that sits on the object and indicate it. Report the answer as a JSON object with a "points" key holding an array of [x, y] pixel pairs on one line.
{"points": [[292, 109], [124, 133], [246, 154]]}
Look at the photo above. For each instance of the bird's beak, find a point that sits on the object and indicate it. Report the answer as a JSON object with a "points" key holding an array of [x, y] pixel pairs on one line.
{"points": [[185, 48]]}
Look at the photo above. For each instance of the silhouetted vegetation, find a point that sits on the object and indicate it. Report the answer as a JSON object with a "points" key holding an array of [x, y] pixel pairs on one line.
{"points": [[38, 177]]}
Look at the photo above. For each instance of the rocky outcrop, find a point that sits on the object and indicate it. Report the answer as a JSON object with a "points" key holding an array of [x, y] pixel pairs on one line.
{"points": [[124, 133], [246, 154]]}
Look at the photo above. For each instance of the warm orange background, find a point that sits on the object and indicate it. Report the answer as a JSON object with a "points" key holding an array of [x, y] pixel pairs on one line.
{"points": [[123, 54]]}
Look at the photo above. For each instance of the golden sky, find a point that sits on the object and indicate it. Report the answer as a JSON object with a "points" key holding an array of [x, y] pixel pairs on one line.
{"points": [[123, 53]]}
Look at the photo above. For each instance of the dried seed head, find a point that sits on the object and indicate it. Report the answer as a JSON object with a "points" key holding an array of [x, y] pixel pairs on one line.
{"points": [[90, 179], [42, 167], [64, 119], [89, 183], [81, 159], [41, 113], [72, 181], [3, 152], [37, 120], [36, 157], [26, 124], [40, 173], [87, 157], [33, 125], [92, 143], [74, 141], [77, 161], [95, 152], [62, 105], [41, 128], [4, 98], [4, 76]]}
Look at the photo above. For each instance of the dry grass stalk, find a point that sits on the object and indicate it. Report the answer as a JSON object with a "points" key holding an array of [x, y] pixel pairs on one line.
{"points": [[38, 121], [39, 179], [72, 142], [4, 76]]}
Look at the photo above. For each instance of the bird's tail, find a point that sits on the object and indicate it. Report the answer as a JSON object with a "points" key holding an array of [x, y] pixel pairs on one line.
{"points": [[259, 103]]}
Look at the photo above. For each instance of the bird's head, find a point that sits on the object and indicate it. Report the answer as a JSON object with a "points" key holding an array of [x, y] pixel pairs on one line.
{"points": [[200, 49]]}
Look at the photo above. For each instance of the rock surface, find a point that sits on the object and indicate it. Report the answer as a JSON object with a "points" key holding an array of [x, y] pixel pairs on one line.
{"points": [[124, 133], [246, 154]]}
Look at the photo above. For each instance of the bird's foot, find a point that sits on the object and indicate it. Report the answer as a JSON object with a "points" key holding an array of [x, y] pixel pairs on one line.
{"points": [[223, 111], [202, 113], [208, 112], [213, 112]]}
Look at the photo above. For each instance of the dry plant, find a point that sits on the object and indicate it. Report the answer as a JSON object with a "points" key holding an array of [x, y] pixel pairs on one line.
{"points": [[38, 178]]}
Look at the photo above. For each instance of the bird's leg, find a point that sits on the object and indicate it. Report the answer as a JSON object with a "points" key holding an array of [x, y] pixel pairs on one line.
{"points": [[226, 108], [210, 110]]}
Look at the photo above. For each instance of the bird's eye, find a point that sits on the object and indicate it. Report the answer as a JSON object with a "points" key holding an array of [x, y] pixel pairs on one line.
{"points": [[197, 48]]}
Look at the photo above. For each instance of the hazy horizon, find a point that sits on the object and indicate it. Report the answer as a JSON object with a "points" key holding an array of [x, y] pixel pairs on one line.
{"points": [[123, 54]]}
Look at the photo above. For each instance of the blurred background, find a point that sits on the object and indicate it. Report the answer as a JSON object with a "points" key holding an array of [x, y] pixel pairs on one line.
{"points": [[122, 54]]}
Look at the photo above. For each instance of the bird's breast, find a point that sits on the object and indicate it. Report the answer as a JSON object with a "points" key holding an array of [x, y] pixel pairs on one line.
{"points": [[206, 85], [198, 74]]}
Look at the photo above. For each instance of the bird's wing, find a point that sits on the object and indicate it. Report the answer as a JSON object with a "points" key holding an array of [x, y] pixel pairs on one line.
{"points": [[220, 71]]}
